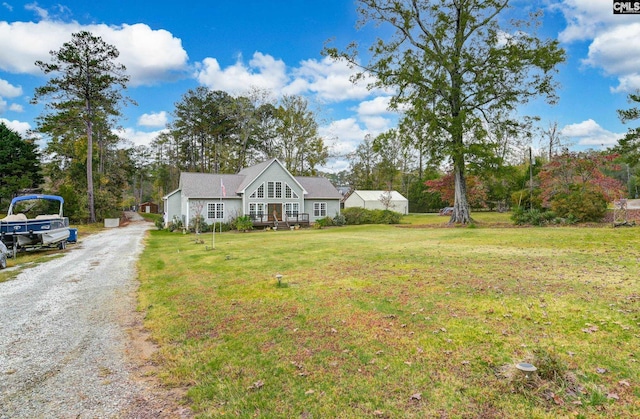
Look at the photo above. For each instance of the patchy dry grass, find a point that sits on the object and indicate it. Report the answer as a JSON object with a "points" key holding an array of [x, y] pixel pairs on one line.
{"points": [[383, 321]]}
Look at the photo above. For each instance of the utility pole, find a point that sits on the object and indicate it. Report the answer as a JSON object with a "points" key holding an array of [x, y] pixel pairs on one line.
{"points": [[530, 179]]}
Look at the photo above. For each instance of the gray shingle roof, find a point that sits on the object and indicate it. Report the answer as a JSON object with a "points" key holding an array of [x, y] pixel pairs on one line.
{"points": [[207, 185], [318, 187]]}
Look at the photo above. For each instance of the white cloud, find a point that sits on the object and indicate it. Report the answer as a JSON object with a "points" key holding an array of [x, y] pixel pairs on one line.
{"points": [[158, 119], [376, 106], [20, 127], [343, 136], [376, 124], [587, 18], [612, 39], [9, 90], [616, 55], [42, 13], [7, 6], [330, 80], [138, 138], [14, 107], [263, 72], [590, 133], [149, 55]]}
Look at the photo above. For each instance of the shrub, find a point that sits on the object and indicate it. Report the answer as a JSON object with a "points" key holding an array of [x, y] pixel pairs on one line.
{"points": [[580, 205], [202, 225], [385, 217], [242, 223], [324, 222], [356, 216], [159, 223], [175, 224], [339, 220], [536, 217]]}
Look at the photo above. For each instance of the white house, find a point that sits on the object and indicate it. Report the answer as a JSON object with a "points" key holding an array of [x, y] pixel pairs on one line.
{"points": [[391, 200], [267, 192]]}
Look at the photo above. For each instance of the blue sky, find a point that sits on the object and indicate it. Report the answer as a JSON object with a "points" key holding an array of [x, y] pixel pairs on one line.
{"points": [[169, 48]]}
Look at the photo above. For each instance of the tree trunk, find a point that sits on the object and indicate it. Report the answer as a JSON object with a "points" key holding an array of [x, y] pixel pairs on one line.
{"points": [[461, 211], [92, 209]]}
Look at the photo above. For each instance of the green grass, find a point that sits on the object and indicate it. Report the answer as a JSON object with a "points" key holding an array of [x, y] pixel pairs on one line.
{"points": [[368, 317]]}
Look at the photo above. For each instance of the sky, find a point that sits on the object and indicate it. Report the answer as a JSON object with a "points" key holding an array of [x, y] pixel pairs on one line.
{"points": [[170, 47]]}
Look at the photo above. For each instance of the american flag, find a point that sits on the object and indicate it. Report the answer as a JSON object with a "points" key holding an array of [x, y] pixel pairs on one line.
{"points": [[224, 191]]}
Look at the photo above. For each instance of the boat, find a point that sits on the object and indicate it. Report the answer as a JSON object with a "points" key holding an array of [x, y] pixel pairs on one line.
{"points": [[17, 231]]}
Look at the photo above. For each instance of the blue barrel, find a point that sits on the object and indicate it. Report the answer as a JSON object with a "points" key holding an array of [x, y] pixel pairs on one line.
{"points": [[73, 235]]}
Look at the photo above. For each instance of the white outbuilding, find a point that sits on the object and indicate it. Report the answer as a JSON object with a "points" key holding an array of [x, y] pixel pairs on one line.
{"points": [[391, 200]]}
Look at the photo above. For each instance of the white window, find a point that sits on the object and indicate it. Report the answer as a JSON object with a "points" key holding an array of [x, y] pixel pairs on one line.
{"points": [[319, 209], [256, 209], [291, 209], [215, 211], [258, 193], [278, 189], [289, 193], [271, 186]]}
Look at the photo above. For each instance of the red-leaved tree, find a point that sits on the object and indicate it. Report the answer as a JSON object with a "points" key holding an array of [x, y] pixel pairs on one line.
{"points": [[574, 184], [445, 186]]}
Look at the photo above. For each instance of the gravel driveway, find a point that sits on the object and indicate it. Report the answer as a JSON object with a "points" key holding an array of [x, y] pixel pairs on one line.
{"points": [[67, 336]]}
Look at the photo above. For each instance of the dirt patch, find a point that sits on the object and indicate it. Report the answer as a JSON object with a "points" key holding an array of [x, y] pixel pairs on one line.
{"points": [[157, 401]]}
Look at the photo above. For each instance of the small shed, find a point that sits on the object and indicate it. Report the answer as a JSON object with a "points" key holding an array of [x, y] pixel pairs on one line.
{"points": [[392, 200], [149, 208]]}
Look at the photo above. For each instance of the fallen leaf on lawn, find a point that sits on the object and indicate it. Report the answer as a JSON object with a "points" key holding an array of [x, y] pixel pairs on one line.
{"points": [[601, 370], [417, 396], [558, 400], [466, 362], [378, 413], [613, 396], [590, 329], [258, 384], [309, 392], [407, 362], [333, 330], [624, 383]]}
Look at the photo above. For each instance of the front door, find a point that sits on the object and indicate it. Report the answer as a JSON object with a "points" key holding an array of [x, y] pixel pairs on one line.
{"points": [[274, 212]]}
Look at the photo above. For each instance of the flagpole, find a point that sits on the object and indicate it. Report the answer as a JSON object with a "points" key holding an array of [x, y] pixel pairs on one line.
{"points": [[223, 193]]}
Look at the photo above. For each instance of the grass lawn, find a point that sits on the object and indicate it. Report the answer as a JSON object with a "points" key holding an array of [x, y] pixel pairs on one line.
{"points": [[399, 321]]}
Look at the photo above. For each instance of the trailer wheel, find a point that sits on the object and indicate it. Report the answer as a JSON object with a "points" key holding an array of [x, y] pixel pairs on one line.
{"points": [[62, 245]]}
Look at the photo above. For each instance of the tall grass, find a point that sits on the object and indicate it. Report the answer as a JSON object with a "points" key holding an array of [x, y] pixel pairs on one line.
{"points": [[385, 321]]}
